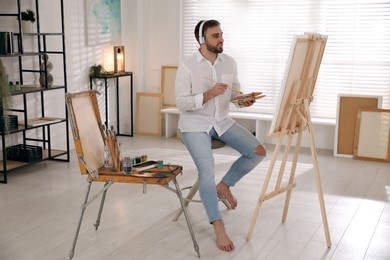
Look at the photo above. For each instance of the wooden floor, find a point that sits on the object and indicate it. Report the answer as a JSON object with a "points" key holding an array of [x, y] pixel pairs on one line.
{"points": [[39, 210]]}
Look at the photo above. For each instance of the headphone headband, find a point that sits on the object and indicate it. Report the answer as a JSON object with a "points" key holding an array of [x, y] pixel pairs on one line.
{"points": [[200, 34]]}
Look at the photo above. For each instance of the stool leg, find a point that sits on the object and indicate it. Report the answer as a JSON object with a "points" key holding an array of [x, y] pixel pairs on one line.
{"points": [[184, 208], [224, 201], [190, 195], [194, 189]]}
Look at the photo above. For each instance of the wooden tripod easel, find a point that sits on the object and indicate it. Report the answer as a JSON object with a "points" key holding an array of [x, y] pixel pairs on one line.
{"points": [[291, 184], [295, 118]]}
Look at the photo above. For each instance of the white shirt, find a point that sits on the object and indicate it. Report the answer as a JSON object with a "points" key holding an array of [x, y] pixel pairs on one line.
{"points": [[191, 82]]}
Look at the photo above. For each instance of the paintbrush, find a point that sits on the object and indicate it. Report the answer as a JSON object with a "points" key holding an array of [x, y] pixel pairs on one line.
{"points": [[229, 87]]}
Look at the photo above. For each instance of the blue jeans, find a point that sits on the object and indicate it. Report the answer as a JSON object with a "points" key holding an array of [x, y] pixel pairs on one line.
{"points": [[199, 147]]}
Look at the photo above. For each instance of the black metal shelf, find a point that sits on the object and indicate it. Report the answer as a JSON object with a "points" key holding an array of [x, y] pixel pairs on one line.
{"points": [[27, 90], [39, 34], [22, 128], [54, 154], [43, 130], [18, 54]]}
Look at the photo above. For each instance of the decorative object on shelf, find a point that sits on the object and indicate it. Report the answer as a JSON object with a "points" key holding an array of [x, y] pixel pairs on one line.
{"points": [[11, 86], [96, 70], [119, 59], [24, 153], [5, 98], [18, 87], [14, 87], [49, 67], [28, 18]]}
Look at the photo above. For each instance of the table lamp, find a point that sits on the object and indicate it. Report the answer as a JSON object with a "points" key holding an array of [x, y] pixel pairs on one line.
{"points": [[119, 59]]}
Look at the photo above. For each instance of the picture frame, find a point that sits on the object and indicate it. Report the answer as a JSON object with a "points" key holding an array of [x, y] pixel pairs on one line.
{"points": [[372, 137], [347, 108], [148, 115], [103, 22], [168, 77]]}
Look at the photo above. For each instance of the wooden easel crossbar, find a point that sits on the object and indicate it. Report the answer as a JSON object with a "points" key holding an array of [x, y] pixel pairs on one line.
{"points": [[293, 117]]}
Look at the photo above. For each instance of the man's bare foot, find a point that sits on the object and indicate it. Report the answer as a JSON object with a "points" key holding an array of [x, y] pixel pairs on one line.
{"points": [[224, 191], [223, 241]]}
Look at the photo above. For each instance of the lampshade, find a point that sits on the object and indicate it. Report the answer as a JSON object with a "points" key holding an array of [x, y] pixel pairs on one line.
{"points": [[119, 58]]}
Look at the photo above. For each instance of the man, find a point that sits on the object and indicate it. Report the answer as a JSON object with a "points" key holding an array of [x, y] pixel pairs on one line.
{"points": [[205, 84]]}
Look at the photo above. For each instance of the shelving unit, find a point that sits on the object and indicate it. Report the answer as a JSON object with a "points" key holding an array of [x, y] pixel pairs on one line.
{"points": [[30, 134]]}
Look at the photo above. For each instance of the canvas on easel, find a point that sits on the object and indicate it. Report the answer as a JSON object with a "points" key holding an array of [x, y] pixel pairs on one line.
{"points": [[292, 116]]}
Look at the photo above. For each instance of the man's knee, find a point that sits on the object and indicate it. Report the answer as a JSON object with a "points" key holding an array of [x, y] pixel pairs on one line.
{"points": [[260, 150]]}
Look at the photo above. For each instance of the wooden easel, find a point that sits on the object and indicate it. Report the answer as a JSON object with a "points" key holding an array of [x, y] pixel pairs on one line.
{"points": [[293, 117]]}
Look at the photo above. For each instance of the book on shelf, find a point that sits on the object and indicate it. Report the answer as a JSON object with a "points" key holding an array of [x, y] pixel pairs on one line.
{"points": [[40, 121], [6, 43]]}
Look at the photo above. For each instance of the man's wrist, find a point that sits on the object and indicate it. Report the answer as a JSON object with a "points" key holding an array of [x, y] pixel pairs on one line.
{"points": [[207, 96]]}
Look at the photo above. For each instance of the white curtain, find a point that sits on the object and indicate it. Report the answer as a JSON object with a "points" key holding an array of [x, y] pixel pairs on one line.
{"points": [[258, 34]]}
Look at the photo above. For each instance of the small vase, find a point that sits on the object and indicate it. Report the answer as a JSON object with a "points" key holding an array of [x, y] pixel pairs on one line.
{"points": [[42, 80], [27, 27]]}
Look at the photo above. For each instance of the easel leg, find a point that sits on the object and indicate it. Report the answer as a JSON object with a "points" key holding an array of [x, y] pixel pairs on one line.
{"points": [[190, 195], [292, 175], [264, 188], [284, 161], [97, 223], [319, 186], [184, 208], [83, 208]]}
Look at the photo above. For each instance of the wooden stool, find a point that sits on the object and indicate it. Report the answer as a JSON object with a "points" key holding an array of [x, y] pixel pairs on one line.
{"points": [[215, 144]]}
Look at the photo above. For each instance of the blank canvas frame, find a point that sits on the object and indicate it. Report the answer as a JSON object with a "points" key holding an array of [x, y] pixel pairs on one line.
{"points": [[148, 115], [372, 138], [299, 79], [347, 108], [168, 77]]}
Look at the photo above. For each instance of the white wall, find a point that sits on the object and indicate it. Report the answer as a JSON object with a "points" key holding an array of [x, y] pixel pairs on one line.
{"points": [[158, 40]]}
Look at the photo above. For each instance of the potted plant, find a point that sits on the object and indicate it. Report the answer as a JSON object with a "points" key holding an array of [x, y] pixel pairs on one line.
{"points": [[96, 70], [5, 99], [28, 18], [28, 15]]}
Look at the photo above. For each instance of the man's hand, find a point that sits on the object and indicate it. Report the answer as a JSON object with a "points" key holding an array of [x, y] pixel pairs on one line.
{"points": [[247, 102], [216, 90]]}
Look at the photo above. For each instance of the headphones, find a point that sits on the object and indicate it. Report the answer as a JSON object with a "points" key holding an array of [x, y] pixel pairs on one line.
{"points": [[200, 34]]}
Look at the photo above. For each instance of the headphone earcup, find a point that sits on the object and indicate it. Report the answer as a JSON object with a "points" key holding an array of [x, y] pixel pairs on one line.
{"points": [[201, 37]]}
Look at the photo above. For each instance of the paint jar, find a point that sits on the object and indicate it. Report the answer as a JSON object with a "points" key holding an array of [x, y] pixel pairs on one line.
{"points": [[127, 166], [144, 158], [137, 160], [132, 160], [160, 164]]}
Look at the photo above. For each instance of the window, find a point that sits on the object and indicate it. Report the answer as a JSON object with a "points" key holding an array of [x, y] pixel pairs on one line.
{"points": [[259, 33]]}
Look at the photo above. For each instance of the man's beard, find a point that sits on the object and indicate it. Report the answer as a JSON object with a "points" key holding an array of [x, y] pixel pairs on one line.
{"points": [[214, 49]]}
